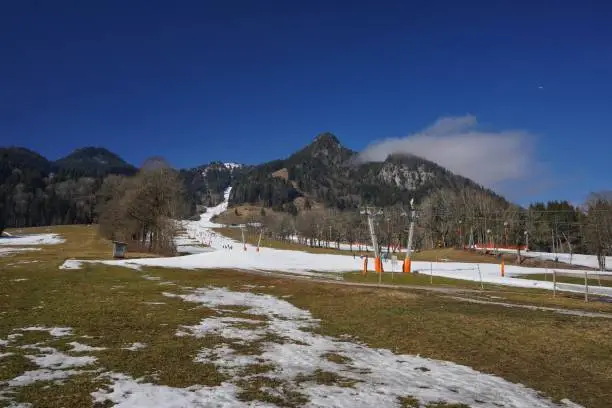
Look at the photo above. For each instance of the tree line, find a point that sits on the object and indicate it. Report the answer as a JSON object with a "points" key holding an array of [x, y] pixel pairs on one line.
{"points": [[449, 218]]}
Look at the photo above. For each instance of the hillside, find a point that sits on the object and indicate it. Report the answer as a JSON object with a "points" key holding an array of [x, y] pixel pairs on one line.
{"points": [[329, 173], [95, 161]]}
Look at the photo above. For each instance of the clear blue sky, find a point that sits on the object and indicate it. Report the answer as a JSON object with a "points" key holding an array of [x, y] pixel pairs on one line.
{"points": [[250, 81]]}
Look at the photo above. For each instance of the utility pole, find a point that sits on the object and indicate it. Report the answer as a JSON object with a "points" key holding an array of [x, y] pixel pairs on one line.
{"points": [[372, 213], [388, 236], [243, 241], [407, 261]]}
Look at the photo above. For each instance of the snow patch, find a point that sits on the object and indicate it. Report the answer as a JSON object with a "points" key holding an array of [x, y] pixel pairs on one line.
{"points": [[135, 346], [53, 331], [79, 348], [34, 239], [371, 377], [30, 377], [127, 392], [8, 251], [57, 360]]}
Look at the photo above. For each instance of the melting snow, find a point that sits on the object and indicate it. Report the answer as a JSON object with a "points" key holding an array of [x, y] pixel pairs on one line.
{"points": [[129, 393], [378, 377], [57, 360], [34, 239], [53, 331], [8, 251], [135, 346], [30, 377], [78, 347]]}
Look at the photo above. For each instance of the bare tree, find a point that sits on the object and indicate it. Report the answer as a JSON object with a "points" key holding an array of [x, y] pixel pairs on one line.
{"points": [[142, 209]]}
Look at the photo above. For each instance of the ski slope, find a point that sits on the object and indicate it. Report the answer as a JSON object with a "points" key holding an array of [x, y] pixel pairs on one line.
{"points": [[225, 253]]}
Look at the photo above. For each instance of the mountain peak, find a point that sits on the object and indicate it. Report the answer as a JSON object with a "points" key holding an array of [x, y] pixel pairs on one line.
{"points": [[95, 161], [327, 139]]}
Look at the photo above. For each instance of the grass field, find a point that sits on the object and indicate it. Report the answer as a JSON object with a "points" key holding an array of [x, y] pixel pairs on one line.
{"points": [[562, 356]]}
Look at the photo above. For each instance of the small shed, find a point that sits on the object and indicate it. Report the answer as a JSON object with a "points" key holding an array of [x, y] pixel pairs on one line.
{"points": [[119, 249]]}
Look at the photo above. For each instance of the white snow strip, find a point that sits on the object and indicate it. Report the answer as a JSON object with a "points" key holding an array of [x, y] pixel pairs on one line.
{"points": [[135, 346], [8, 251], [2, 355], [154, 303], [53, 331], [79, 348], [19, 280], [378, 377], [34, 239], [20, 405]]}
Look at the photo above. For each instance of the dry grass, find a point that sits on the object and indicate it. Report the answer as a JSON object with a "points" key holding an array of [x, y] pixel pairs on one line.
{"points": [[563, 356], [412, 279], [83, 242]]}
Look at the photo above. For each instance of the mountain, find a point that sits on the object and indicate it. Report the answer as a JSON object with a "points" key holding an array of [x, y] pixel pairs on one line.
{"points": [[94, 162], [19, 157], [329, 173], [36, 191]]}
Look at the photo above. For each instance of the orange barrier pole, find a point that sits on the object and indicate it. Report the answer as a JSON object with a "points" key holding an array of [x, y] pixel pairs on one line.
{"points": [[407, 265], [378, 265], [503, 268], [365, 266]]}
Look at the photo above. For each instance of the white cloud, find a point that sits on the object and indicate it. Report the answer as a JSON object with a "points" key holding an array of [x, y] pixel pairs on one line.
{"points": [[490, 158]]}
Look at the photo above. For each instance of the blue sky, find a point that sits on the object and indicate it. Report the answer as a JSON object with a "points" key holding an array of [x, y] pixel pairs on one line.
{"points": [[250, 81]]}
